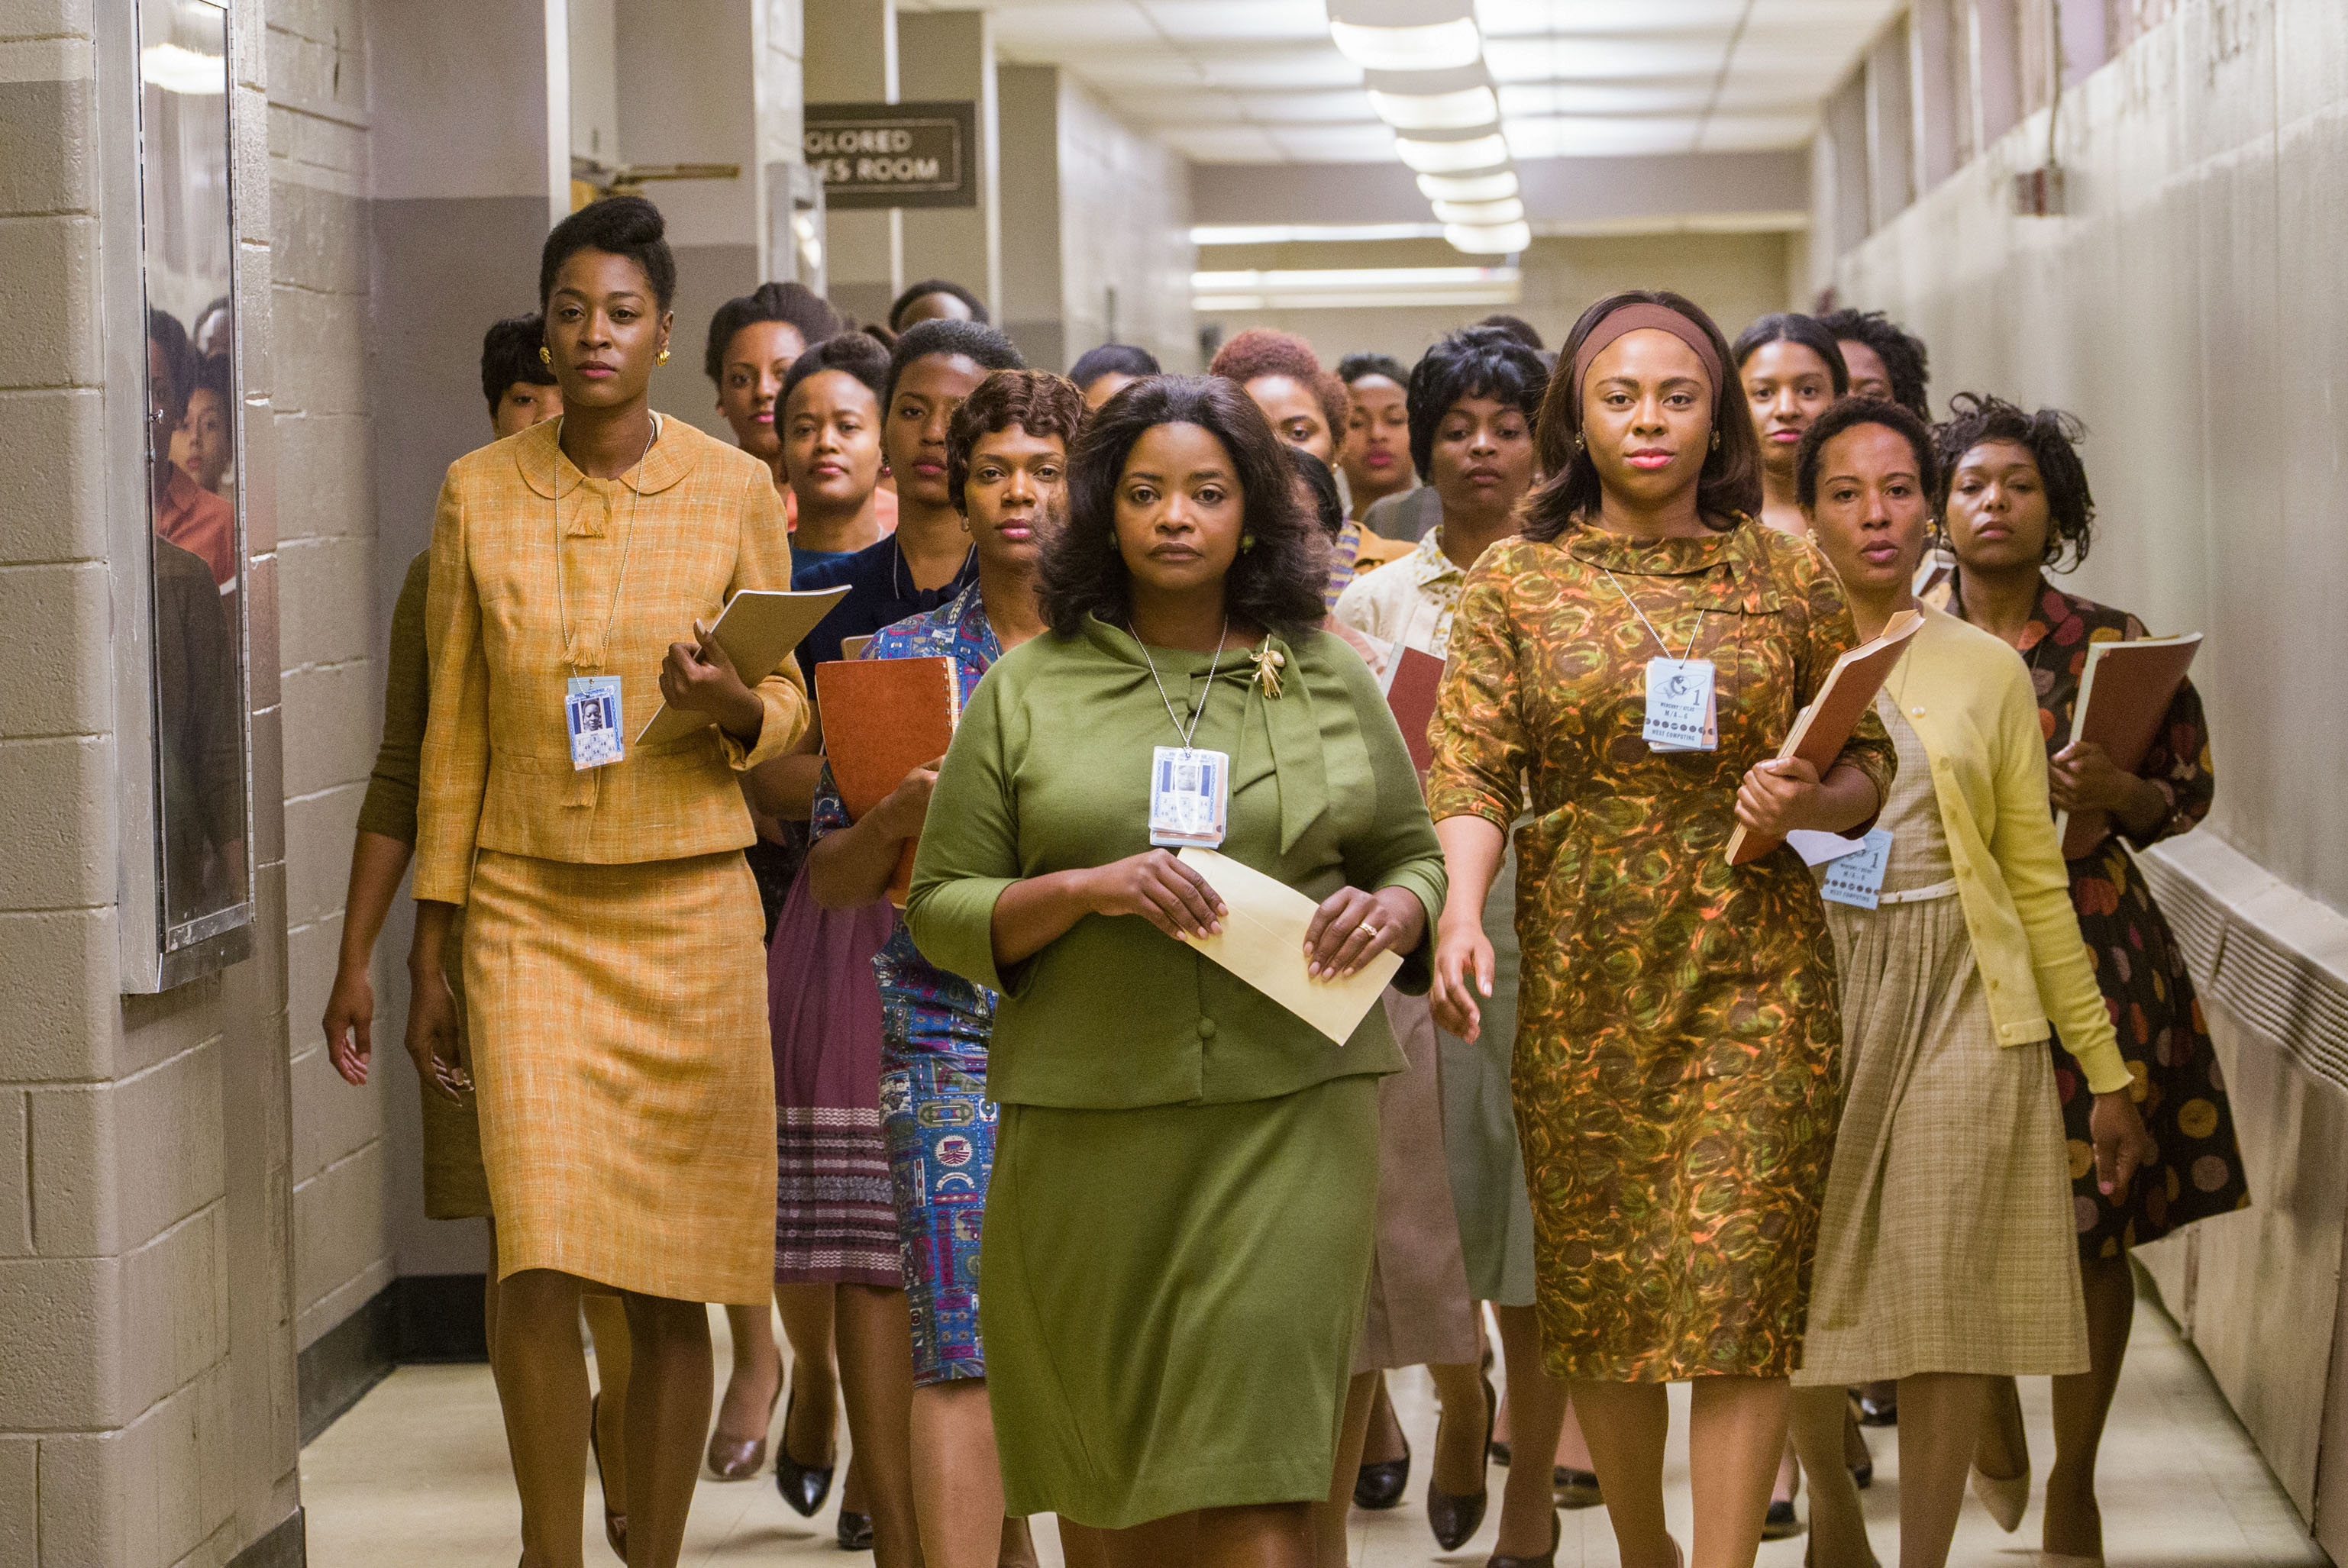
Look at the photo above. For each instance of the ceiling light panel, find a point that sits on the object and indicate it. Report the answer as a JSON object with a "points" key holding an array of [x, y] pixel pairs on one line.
{"points": [[1510, 210], [1469, 187], [1465, 109], [1496, 240], [1444, 46], [1473, 156]]}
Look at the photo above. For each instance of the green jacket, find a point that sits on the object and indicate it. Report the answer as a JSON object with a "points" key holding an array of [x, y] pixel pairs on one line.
{"points": [[1050, 771]]}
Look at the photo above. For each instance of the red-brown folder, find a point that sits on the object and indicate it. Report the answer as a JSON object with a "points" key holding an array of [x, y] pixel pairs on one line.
{"points": [[1822, 730], [2124, 693], [1414, 681], [882, 717]]}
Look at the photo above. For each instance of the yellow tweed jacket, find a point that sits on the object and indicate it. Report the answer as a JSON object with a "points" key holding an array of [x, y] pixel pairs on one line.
{"points": [[506, 629]]}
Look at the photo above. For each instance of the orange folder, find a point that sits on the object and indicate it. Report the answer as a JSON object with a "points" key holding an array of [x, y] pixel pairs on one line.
{"points": [[882, 717], [2124, 693], [1822, 730], [1414, 682]]}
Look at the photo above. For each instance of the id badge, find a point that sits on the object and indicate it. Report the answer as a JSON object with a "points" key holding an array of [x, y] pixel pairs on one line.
{"points": [[591, 710], [1857, 879], [1189, 794], [1680, 713]]}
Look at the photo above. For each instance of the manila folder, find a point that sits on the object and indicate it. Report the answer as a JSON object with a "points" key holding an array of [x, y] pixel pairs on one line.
{"points": [[1263, 942], [758, 630]]}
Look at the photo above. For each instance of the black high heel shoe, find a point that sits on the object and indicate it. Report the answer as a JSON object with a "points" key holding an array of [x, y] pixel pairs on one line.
{"points": [[803, 1486], [1382, 1483], [1454, 1517], [1577, 1488], [854, 1532], [1546, 1560]]}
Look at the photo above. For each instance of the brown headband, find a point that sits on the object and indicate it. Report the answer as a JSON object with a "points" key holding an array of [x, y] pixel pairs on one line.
{"points": [[1641, 317]]}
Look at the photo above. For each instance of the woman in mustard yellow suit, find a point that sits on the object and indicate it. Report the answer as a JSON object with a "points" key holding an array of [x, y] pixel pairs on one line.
{"points": [[612, 956]]}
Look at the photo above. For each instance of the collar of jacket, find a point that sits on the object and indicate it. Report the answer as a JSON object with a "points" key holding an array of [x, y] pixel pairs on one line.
{"points": [[546, 470], [1291, 728]]}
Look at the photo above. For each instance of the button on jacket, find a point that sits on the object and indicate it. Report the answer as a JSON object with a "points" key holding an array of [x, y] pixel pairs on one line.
{"points": [[1969, 699], [1050, 771], [641, 558]]}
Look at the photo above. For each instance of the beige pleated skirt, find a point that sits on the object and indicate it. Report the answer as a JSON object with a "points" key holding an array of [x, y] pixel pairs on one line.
{"points": [[1947, 1241], [622, 1068], [1419, 1313]]}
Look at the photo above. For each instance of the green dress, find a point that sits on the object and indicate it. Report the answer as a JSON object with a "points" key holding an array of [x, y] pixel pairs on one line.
{"points": [[1179, 1229]]}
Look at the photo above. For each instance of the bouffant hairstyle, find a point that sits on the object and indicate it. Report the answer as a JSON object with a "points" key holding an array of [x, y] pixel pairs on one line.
{"points": [[1355, 366], [1277, 583], [852, 353], [1905, 357], [794, 304], [968, 340], [1474, 361], [2053, 438], [1786, 327], [1114, 359], [1728, 488], [1267, 351], [937, 286], [626, 226], [510, 353], [1849, 413], [1328, 506], [1041, 403]]}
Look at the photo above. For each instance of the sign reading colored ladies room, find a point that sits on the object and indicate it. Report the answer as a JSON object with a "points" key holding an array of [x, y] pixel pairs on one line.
{"points": [[893, 155]]}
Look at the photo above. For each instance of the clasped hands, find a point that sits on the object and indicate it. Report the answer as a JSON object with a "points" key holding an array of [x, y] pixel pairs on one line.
{"points": [[1349, 929]]}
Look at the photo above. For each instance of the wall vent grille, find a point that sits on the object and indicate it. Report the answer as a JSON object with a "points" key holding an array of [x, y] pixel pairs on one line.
{"points": [[2277, 990]]}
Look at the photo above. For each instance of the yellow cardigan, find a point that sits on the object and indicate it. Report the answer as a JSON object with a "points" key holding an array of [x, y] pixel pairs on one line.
{"points": [[1968, 697], [497, 771]]}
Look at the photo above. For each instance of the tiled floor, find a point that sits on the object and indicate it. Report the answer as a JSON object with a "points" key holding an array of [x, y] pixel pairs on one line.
{"points": [[416, 1477]]}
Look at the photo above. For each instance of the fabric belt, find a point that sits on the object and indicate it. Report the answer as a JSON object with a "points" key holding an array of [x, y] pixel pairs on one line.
{"points": [[1946, 888]]}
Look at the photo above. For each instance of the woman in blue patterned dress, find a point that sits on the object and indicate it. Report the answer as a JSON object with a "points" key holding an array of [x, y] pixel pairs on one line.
{"points": [[1006, 463]]}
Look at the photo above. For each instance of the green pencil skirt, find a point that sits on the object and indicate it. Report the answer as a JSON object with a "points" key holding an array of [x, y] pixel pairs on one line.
{"points": [[1170, 1300]]}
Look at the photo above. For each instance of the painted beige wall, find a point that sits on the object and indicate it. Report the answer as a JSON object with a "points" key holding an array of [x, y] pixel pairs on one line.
{"points": [[1125, 224], [2189, 310]]}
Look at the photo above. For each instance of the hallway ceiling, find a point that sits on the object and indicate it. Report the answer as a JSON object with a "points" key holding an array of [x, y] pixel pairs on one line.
{"points": [[1259, 81]]}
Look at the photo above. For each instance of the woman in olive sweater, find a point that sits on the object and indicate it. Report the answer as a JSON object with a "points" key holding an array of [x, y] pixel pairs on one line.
{"points": [[1179, 1229]]}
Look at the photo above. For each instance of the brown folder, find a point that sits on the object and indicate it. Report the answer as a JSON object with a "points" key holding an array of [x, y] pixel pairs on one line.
{"points": [[882, 717], [1822, 730], [1414, 682], [2124, 693]]}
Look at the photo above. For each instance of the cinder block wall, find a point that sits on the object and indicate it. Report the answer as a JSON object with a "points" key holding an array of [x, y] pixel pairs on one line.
{"points": [[146, 1408]]}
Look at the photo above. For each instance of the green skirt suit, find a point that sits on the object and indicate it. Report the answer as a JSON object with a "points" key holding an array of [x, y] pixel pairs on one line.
{"points": [[1179, 1231]]}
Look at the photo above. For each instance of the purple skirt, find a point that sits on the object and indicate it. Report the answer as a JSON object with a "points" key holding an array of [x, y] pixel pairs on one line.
{"points": [[834, 1221]]}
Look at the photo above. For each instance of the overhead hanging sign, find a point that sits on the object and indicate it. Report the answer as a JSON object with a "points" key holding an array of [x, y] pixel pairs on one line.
{"points": [[873, 155]]}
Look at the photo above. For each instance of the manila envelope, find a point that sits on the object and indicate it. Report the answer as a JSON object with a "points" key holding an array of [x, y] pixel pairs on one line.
{"points": [[1263, 942]]}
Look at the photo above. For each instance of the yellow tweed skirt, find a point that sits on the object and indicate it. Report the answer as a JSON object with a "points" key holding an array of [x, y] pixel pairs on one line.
{"points": [[455, 1185], [621, 1067]]}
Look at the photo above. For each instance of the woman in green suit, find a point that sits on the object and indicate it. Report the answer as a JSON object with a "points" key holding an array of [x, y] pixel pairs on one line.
{"points": [[1178, 1233]]}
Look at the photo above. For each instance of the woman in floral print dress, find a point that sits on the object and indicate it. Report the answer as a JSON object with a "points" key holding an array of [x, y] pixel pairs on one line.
{"points": [[2018, 503], [1676, 1073]]}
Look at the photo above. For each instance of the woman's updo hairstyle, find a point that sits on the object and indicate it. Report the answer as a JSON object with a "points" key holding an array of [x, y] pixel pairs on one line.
{"points": [[1787, 327], [1276, 583], [1729, 487], [1849, 413], [626, 226], [794, 304], [2050, 436]]}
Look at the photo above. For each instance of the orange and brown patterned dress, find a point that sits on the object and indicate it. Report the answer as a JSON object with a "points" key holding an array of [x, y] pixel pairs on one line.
{"points": [[1676, 1074]]}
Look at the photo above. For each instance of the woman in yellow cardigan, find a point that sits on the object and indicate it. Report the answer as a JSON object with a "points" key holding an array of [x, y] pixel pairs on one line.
{"points": [[612, 956], [1945, 1256]]}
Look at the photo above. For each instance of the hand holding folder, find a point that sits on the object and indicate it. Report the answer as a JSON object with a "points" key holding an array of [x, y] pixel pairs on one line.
{"points": [[758, 629], [882, 717], [2124, 693], [1263, 942]]}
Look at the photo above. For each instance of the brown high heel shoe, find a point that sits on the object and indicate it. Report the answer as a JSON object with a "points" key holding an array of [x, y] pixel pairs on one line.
{"points": [[1546, 1560], [616, 1525], [732, 1459]]}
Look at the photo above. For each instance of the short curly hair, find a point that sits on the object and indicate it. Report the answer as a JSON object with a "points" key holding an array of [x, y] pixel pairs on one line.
{"points": [[2051, 437], [1038, 401], [1474, 361], [1267, 351], [851, 353], [1277, 584], [626, 226], [1849, 413], [973, 341], [510, 353], [1904, 356], [796, 305]]}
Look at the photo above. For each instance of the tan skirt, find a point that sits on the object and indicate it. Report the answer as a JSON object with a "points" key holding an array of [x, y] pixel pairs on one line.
{"points": [[1419, 1313], [456, 1187], [626, 1089], [1947, 1244]]}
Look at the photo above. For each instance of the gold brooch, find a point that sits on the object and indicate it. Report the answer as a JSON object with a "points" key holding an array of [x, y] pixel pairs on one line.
{"points": [[1269, 661]]}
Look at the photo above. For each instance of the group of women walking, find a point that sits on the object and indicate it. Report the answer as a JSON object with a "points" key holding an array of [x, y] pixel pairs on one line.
{"points": [[1666, 1118]]}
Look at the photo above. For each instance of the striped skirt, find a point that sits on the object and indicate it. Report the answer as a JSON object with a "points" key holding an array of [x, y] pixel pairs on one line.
{"points": [[619, 1050]]}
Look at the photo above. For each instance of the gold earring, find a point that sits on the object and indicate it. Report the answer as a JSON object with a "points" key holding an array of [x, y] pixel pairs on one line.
{"points": [[1716, 440], [546, 356], [1247, 542], [661, 358]]}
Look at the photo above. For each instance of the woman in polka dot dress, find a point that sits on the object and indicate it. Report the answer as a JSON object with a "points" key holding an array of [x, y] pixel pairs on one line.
{"points": [[2018, 503]]}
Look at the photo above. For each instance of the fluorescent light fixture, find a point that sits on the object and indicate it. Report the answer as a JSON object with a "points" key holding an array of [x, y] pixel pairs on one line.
{"points": [[1477, 153], [1354, 288], [1439, 46], [1508, 210], [180, 70], [1292, 233], [1471, 109], [1489, 239], [1469, 187]]}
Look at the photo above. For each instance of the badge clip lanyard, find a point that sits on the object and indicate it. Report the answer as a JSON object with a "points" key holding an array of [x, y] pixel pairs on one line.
{"points": [[1683, 727], [591, 704], [1190, 791]]}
